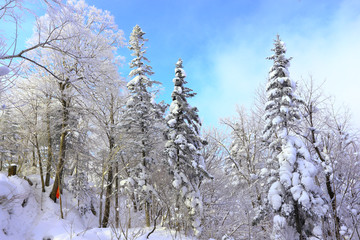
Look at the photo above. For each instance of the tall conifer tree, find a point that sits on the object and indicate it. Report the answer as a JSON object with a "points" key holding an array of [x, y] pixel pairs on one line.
{"points": [[184, 151], [293, 196], [142, 119]]}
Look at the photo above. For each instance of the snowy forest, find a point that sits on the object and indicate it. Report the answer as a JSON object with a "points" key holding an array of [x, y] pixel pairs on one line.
{"points": [[87, 153]]}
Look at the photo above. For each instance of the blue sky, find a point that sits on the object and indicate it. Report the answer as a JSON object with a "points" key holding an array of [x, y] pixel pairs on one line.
{"points": [[224, 45]]}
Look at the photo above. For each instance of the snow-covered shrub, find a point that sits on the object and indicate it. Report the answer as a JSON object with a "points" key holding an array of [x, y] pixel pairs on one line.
{"points": [[79, 186]]}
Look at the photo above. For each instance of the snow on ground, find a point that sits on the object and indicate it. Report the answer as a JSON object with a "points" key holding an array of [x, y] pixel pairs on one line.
{"points": [[28, 214], [108, 233]]}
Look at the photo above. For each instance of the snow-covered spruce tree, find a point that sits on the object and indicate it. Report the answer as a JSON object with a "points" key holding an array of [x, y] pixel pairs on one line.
{"points": [[184, 147], [293, 195], [142, 118]]}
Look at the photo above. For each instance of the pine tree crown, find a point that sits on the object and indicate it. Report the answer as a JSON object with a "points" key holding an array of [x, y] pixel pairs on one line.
{"points": [[281, 109]]}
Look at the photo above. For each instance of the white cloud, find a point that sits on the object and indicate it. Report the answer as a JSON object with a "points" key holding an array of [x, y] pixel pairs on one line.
{"points": [[332, 53], [327, 50], [234, 78]]}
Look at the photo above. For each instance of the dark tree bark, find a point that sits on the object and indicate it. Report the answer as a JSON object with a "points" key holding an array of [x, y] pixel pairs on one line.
{"points": [[110, 164], [101, 194], [117, 217], [49, 148], [64, 132], [108, 197], [12, 170], [33, 157], [147, 204], [40, 164]]}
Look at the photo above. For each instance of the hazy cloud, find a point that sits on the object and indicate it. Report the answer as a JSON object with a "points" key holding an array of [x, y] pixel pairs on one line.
{"points": [[326, 46]]}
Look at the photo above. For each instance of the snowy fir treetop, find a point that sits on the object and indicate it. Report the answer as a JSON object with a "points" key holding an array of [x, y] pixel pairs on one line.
{"points": [[140, 71], [180, 108], [184, 124], [136, 44], [281, 109], [279, 53], [137, 40], [179, 81]]}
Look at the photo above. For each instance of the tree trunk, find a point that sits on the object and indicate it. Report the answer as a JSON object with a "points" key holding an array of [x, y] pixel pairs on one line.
{"points": [[110, 164], [62, 151], [117, 207], [59, 167], [101, 193], [147, 204], [129, 222], [298, 221], [40, 163], [333, 206], [12, 170], [147, 213], [108, 197], [33, 157], [49, 148]]}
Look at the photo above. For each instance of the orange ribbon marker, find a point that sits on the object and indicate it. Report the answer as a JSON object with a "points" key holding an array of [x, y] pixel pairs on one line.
{"points": [[58, 193]]}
